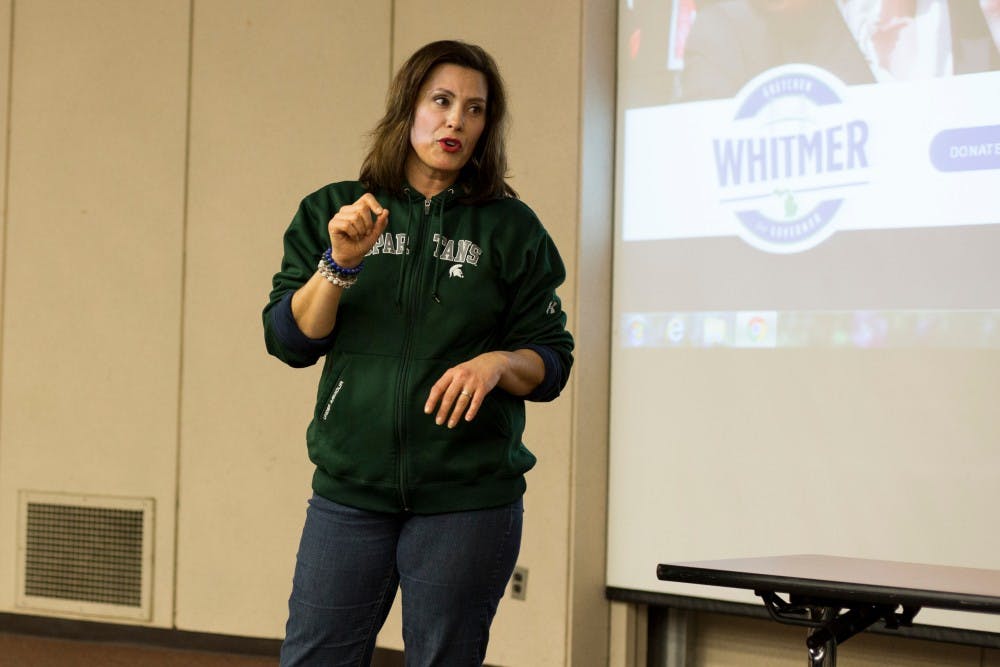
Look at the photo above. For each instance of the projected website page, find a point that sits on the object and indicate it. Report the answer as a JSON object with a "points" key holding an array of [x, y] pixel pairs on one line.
{"points": [[817, 202]]}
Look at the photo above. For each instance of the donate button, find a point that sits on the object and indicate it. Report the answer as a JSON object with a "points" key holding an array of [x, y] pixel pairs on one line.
{"points": [[966, 149]]}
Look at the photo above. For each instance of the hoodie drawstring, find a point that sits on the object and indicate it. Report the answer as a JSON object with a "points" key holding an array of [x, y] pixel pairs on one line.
{"points": [[402, 262], [439, 223], [436, 220]]}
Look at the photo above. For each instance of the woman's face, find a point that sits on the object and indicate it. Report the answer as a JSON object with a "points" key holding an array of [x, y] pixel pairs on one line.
{"points": [[450, 116]]}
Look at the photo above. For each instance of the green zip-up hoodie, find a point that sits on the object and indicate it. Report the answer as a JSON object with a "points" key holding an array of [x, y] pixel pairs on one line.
{"points": [[444, 283]]}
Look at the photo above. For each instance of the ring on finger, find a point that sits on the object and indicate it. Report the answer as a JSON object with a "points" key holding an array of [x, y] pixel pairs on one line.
{"points": [[465, 393]]}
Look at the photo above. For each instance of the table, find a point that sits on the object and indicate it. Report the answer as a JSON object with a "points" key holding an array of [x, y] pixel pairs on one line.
{"points": [[838, 597]]}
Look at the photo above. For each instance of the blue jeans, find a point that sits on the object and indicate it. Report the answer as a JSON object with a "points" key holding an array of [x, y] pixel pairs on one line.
{"points": [[452, 569]]}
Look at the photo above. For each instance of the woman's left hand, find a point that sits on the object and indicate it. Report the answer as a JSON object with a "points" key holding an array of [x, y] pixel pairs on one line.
{"points": [[462, 388]]}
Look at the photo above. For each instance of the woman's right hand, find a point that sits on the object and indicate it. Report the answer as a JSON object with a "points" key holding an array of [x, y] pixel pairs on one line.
{"points": [[355, 228]]}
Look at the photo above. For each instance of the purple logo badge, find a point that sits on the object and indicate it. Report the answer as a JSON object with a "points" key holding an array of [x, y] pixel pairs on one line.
{"points": [[791, 156]]}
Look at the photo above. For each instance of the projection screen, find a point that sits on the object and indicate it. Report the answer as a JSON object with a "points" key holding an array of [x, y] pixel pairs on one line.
{"points": [[806, 348]]}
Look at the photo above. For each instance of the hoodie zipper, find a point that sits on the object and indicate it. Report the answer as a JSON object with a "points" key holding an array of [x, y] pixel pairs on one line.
{"points": [[404, 366]]}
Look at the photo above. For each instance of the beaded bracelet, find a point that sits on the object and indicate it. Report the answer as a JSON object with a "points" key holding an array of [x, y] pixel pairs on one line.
{"points": [[335, 277], [337, 268]]}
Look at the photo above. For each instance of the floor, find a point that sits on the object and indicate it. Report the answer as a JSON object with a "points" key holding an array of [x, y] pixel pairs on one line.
{"points": [[29, 651], [20, 650]]}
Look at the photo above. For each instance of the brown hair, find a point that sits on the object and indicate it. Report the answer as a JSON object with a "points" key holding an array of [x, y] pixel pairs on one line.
{"points": [[484, 176]]}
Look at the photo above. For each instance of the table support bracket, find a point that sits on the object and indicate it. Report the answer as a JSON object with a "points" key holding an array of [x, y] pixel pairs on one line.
{"points": [[833, 621]]}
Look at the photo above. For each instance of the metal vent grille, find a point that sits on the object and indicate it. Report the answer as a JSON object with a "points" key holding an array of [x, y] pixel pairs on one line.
{"points": [[86, 555], [91, 554]]}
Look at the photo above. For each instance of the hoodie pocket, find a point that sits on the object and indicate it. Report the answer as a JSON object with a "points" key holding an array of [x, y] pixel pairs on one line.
{"points": [[352, 433], [487, 447], [331, 390]]}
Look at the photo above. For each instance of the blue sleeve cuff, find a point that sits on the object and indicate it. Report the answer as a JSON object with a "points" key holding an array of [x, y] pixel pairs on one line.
{"points": [[555, 375], [306, 350]]}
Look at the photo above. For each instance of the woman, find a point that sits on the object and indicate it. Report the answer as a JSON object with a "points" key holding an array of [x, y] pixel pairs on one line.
{"points": [[430, 289]]}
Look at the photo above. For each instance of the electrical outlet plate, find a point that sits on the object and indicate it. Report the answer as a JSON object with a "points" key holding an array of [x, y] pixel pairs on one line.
{"points": [[519, 583]]}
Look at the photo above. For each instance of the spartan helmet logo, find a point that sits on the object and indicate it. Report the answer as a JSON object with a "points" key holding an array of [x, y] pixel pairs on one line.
{"points": [[455, 271]]}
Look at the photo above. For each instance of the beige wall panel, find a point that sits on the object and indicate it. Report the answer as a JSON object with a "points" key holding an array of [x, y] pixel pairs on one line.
{"points": [[589, 611], [537, 46], [282, 94], [880, 650], [93, 274], [731, 641], [6, 555], [5, 26], [628, 633]]}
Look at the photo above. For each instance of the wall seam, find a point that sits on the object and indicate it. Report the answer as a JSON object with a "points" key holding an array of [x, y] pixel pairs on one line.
{"points": [[183, 294], [575, 405], [6, 202], [594, 206], [392, 35]]}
